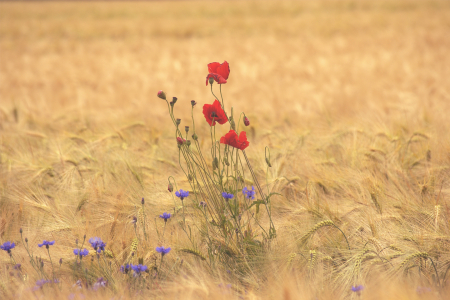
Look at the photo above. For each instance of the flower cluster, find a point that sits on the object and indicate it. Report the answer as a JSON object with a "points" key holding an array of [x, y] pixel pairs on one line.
{"points": [[249, 194], [181, 194], [7, 246], [165, 216], [227, 196], [162, 250], [47, 244], [80, 252], [97, 244]]}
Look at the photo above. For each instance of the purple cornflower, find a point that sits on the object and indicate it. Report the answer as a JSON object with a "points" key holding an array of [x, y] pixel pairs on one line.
{"points": [[165, 216], [125, 269], [138, 269], [249, 194], [357, 288], [80, 252], [47, 244], [181, 194], [17, 267], [162, 250], [7, 246], [227, 196], [100, 283], [97, 244]]}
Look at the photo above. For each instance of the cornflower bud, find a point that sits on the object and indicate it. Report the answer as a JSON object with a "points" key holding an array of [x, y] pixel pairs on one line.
{"points": [[174, 100], [142, 201], [186, 128], [60, 261], [26, 240], [178, 121], [211, 80], [20, 230], [193, 103], [170, 187], [162, 95], [246, 121], [171, 103], [194, 137]]}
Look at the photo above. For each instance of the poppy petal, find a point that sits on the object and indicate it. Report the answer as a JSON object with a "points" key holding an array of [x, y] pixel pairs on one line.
{"points": [[223, 70], [212, 67]]}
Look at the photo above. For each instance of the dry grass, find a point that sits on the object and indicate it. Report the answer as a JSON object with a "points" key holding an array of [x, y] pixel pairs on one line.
{"points": [[352, 97]]}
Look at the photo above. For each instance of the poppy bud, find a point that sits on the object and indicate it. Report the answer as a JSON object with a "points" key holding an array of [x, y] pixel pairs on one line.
{"points": [[215, 163], [193, 103], [143, 201], [194, 137], [162, 95], [188, 143], [170, 187], [187, 129], [174, 100], [180, 141], [211, 80], [233, 125], [178, 121], [246, 121]]}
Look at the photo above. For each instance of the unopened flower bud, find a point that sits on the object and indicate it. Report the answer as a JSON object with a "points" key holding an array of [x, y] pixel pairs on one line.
{"points": [[60, 261], [20, 230], [268, 162], [186, 128], [193, 103], [233, 125], [170, 187], [211, 80], [162, 95], [178, 121], [26, 240], [174, 100], [215, 163], [188, 143], [180, 140], [171, 103], [246, 121], [194, 137], [142, 201]]}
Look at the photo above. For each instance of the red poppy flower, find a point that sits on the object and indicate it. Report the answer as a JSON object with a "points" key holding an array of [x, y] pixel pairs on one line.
{"points": [[180, 140], [232, 139], [215, 112], [219, 72]]}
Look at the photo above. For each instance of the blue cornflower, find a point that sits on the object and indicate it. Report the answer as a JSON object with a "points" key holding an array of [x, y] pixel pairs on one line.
{"points": [[249, 194], [7, 246], [227, 196], [181, 194], [99, 284], [97, 244], [125, 269], [47, 244], [162, 250], [80, 252], [138, 269], [165, 216], [357, 288]]}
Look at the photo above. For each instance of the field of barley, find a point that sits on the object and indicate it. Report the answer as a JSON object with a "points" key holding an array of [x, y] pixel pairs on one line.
{"points": [[348, 102]]}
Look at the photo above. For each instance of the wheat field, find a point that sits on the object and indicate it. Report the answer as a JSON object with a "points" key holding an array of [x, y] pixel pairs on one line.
{"points": [[351, 97]]}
